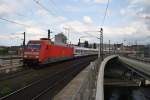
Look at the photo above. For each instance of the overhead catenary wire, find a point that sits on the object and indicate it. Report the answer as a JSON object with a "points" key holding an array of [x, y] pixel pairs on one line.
{"points": [[84, 32], [43, 7], [91, 35], [14, 22], [22, 24], [50, 13], [60, 10], [106, 10], [21, 15], [103, 21], [54, 6], [27, 17], [18, 23]]}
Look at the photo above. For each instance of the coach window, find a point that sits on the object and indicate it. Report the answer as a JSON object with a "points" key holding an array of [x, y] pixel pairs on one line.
{"points": [[76, 51]]}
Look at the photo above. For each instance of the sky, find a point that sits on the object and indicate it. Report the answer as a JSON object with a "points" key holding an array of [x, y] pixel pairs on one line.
{"points": [[126, 20]]}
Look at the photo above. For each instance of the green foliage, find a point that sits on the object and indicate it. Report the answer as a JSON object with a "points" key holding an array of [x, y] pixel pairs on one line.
{"points": [[4, 51], [4, 91], [64, 38]]}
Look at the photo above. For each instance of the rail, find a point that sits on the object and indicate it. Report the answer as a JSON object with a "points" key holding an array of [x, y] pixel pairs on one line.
{"points": [[142, 59], [39, 88], [140, 67]]}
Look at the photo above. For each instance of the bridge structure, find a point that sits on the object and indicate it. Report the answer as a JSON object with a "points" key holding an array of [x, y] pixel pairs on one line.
{"points": [[118, 73], [114, 78]]}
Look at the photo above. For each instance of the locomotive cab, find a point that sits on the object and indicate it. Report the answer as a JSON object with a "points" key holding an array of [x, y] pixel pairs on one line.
{"points": [[31, 52]]}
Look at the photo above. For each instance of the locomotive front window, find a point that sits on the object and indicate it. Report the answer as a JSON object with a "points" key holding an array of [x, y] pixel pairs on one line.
{"points": [[34, 46]]}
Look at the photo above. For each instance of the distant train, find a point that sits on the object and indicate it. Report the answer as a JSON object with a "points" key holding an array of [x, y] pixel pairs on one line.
{"points": [[44, 51], [81, 51]]}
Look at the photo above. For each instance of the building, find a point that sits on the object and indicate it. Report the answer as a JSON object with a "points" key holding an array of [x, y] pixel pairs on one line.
{"points": [[147, 51]]}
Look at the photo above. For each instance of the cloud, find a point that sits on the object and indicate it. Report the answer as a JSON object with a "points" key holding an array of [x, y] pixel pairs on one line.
{"points": [[145, 2], [40, 21], [6, 9], [4, 37], [78, 29], [96, 1], [69, 8], [37, 24], [137, 8], [76, 25], [101, 1], [87, 19], [87, 1], [139, 11]]}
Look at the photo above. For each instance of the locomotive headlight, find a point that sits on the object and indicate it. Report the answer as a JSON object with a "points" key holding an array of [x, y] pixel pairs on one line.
{"points": [[36, 56], [25, 56]]}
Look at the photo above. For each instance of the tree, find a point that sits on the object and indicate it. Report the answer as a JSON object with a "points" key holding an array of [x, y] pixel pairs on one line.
{"points": [[61, 37], [3, 51]]}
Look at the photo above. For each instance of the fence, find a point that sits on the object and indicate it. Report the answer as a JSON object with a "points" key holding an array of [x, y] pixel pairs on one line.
{"points": [[10, 62], [7, 65]]}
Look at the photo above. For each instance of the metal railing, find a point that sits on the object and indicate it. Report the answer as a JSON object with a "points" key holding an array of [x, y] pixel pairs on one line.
{"points": [[7, 65]]}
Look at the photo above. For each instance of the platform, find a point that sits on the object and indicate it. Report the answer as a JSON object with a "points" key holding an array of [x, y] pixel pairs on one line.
{"points": [[69, 92], [83, 86]]}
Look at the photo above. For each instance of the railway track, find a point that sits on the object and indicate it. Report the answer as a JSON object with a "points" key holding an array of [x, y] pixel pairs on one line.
{"points": [[48, 93], [48, 84], [145, 60], [26, 69], [15, 74]]}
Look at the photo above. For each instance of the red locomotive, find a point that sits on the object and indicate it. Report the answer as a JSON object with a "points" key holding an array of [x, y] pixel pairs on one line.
{"points": [[45, 51]]}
